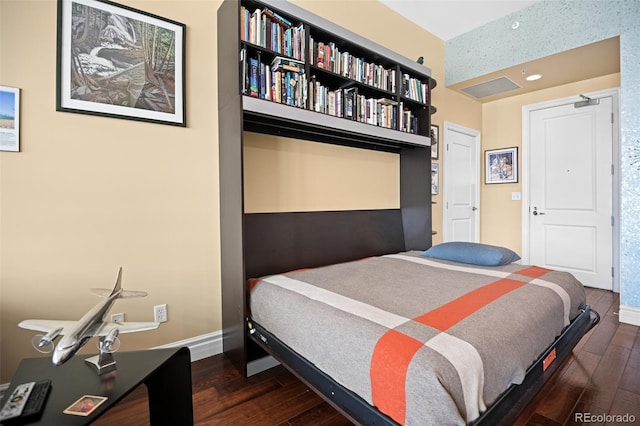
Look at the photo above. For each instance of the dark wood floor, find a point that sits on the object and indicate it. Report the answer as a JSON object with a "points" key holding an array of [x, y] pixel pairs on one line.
{"points": [[602, 376]]}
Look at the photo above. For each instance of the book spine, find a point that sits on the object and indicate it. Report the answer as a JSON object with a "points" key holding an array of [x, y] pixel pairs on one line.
{"points": [[253, 77]]}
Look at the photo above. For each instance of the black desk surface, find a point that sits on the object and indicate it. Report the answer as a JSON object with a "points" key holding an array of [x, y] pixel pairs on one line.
{"points": [[77, 378]]}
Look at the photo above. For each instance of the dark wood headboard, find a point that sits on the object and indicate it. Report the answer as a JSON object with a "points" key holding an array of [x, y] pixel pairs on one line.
{"points": [[281, 242]]}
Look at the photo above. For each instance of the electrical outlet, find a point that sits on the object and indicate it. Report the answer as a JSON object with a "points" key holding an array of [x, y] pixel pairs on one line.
{"points": [[119, 318], [160, 313]]}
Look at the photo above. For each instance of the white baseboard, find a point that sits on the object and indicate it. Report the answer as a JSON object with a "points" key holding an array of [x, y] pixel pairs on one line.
{"points": [[201, 347], [629, 315], [211, 344]]}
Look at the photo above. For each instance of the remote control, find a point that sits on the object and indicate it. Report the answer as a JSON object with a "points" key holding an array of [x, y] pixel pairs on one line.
{"points": [[27, 399]]}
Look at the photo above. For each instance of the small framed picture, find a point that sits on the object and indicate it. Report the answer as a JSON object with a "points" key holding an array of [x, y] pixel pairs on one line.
{"points": [[501, 165], [116, 61], [9, 119], [435, 185], [85, 405], [435, 141]]}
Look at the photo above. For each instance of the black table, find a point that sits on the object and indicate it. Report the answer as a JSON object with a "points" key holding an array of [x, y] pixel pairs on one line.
{"points": [[165, 372]]}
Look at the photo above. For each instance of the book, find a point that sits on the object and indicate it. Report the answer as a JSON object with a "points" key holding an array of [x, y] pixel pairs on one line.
{"points": [[349, 102], [287, 64], [253, 77]]}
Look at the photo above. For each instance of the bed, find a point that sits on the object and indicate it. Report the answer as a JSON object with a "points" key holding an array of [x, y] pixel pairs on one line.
{"points": [[404, 338]]}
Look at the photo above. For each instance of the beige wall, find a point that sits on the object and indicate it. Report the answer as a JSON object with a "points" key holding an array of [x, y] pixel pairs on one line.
{"points": [[501, 220], [88, 194], [293, 175]]}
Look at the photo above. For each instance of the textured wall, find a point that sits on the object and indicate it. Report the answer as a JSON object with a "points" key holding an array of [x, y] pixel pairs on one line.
{"points": [[552, 26]]}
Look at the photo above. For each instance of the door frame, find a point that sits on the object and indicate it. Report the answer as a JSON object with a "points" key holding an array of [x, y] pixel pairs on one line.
{"points": [[446, 159], [615, 190]]}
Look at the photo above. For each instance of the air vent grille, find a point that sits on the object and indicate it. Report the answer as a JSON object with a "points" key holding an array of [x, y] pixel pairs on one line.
{"points": [[491, 87]]}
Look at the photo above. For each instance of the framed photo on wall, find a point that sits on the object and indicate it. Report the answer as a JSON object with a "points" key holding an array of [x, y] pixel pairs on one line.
{"points": [[501, 165], [435, 141], [120, 62], [9, 119], [435, 182]]}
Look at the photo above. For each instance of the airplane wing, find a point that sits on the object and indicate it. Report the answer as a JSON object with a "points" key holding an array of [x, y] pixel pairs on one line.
{"points": [[127, 327], [102, 292], [46, 326]]}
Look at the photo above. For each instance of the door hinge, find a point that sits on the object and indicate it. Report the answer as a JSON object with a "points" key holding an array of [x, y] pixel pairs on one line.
{"points": [[613, 275], [611, 118], [613, 170], [613, 221]]}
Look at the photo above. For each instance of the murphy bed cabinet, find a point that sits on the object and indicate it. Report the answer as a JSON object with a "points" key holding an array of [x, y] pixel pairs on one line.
{"points": [[285, 71]]}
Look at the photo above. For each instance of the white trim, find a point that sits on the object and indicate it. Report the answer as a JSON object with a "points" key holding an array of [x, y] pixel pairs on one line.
{"points": [[201, 347], [629, 315], [525, 170]]}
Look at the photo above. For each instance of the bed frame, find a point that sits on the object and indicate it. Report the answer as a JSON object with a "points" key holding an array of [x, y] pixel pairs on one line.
{"points": [[278, 242], [504, 411]]}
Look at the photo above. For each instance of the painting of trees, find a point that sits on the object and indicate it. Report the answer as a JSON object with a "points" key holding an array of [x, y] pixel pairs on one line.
{"points": [[118, 60]]}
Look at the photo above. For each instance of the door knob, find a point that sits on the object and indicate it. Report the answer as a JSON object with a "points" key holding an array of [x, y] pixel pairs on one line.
{"points": [[474, 208], [535, 212]]}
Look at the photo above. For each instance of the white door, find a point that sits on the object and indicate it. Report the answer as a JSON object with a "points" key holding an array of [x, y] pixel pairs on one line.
{"points": [[571, 197], [460, 183]]}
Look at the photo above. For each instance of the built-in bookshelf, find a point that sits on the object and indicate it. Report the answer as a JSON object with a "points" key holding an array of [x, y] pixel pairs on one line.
{"points": [[290, 57], [285, 71]]}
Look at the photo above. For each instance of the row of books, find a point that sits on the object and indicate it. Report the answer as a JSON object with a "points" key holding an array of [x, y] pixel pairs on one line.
{"points": [[270, 30], [415, 89], [328, 56], [282, 81], [348, 103]]}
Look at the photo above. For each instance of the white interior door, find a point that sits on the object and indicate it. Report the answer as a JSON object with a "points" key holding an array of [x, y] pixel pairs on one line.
{"points": [[571, 196], [461, 177]]}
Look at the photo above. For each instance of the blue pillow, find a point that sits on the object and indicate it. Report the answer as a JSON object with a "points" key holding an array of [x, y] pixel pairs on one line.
{"points": [[473, 253]]}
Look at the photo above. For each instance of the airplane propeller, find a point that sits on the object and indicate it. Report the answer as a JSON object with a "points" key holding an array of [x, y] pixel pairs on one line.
{"points": [[112, 347], [109, 343], [42, 343]]}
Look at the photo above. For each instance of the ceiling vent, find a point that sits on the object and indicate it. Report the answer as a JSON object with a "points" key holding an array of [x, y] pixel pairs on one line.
{"points": [[491, 87]]}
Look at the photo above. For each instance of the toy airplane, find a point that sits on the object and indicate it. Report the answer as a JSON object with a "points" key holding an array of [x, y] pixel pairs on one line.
{"points": [[93, 323]]}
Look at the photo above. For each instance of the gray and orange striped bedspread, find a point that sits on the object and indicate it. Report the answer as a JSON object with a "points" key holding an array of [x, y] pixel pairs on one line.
{"points": [[425, 341]]}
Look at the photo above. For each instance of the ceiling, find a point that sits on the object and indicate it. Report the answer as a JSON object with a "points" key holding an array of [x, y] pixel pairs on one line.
{"points": [[447, 19]]}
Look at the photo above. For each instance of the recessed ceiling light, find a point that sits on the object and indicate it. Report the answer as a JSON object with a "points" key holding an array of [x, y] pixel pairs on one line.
{"points": [[534, 77]]}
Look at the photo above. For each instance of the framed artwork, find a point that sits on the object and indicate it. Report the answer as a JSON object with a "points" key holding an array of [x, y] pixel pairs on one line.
{"points": [[9, 119], [501, 165], [435, 183], [435, 141], [120, 62]]}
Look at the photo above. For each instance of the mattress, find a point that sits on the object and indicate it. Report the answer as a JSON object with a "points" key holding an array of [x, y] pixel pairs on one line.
{"points": [[425, 341]]}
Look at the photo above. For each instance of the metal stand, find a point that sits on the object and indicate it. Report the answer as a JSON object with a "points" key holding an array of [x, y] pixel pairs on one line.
{"points": [[104, 362]]}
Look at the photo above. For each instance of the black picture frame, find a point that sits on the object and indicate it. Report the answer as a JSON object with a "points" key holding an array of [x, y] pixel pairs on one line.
{"points": [[435, 141], [501, 165], [120, 62]]}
